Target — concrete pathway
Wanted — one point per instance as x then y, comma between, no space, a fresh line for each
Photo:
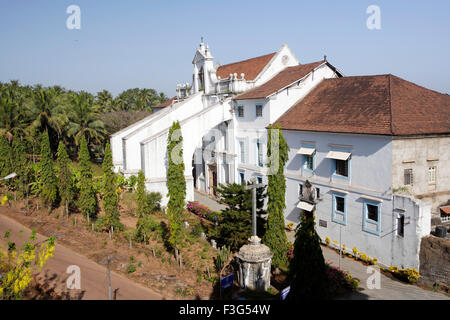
390,289
93,276
208,201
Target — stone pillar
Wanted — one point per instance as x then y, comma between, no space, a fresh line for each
255,260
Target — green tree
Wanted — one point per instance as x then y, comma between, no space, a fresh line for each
65,177
141,195
5,157
176,184
307,271
20,166
104,99
88,198
110,197
47,176
46,115
84,120
275,236
235,222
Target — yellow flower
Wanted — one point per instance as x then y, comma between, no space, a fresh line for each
4,200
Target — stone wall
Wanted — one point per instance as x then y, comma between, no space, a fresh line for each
435,261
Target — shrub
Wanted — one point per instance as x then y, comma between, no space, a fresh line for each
408,275
339,280
290,251
197,230
145,226
202,211
131,268
154,201
222,258
131,182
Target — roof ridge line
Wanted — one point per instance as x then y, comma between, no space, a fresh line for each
390,103
231,63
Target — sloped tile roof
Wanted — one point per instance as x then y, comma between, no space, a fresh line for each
166,103
279,81
382,104
251,67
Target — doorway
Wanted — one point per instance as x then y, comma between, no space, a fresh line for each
212,170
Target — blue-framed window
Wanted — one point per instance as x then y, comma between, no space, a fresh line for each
241,176
372,216
339,212
240,111
341,169
259,155
259,110
309,161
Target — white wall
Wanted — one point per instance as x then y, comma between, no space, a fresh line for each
251,128
178,111
277,65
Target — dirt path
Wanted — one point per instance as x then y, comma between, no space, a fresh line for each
93,276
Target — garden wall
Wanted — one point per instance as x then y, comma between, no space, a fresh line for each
435,261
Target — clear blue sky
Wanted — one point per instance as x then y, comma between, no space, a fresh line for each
143,43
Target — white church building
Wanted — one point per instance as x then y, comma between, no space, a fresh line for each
223,115
348,146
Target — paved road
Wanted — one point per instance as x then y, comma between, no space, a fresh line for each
390,289
207,201
93,276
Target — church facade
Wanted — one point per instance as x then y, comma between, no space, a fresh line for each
346,134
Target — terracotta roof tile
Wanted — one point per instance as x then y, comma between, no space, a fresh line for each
251,67
165,103
279,81
445,209
383,104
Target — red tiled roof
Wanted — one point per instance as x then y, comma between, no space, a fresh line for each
383,104
445,209
279,81
251,67
165,103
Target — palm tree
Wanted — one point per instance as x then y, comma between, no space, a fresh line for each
104,99
11,119
45,114
84,120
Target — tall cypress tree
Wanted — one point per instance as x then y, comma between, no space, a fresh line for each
88,198
47,176
307,271
110,197
176,184
275,236
141,195
66,188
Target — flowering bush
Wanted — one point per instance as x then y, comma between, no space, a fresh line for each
19,265
339,280
290,225
408,275
201,210
290,251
